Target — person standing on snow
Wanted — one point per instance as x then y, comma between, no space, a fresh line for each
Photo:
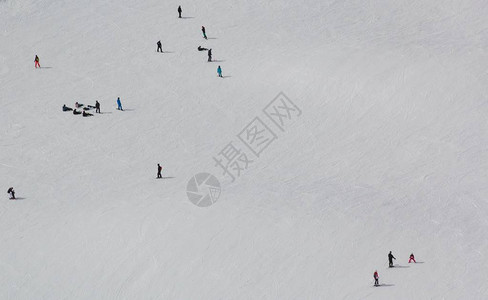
390,259
160,47
209,54
219,71
119,104
376,278
159,171
97,107
36,62
203,31
179,11
12,193
412,257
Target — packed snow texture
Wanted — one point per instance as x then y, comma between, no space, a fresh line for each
390,152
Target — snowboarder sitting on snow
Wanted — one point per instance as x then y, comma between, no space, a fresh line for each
65,108
78,105
376,277
75,112
159,171
390,259
412,257
200,48
85,114
11,192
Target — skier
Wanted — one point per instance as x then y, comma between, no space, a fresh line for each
390,259
65,108
200,48
209,54
159,171
179,11
412,257
12,193
36,62
97,107
75,112
219,71
376,277
204,34
160,47
119,104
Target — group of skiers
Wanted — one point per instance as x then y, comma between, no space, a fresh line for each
83,109
200,48
89,107
390,265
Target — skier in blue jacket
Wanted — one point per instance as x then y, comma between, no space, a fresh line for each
219,71
119,104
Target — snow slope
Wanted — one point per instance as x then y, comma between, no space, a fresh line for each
390,151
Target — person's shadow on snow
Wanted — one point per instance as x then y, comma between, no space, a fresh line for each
399,266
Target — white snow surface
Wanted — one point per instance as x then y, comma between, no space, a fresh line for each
390,152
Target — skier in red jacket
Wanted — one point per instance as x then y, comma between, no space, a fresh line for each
376,277
36,62
412,257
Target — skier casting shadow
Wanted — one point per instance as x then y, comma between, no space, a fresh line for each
159,171
12,193
390,259
160,47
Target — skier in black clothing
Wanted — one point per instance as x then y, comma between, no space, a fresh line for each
160,47
75,112
179,11
209,54
97,107
12,193
159,171
390,259
85,114
200,48
203,31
